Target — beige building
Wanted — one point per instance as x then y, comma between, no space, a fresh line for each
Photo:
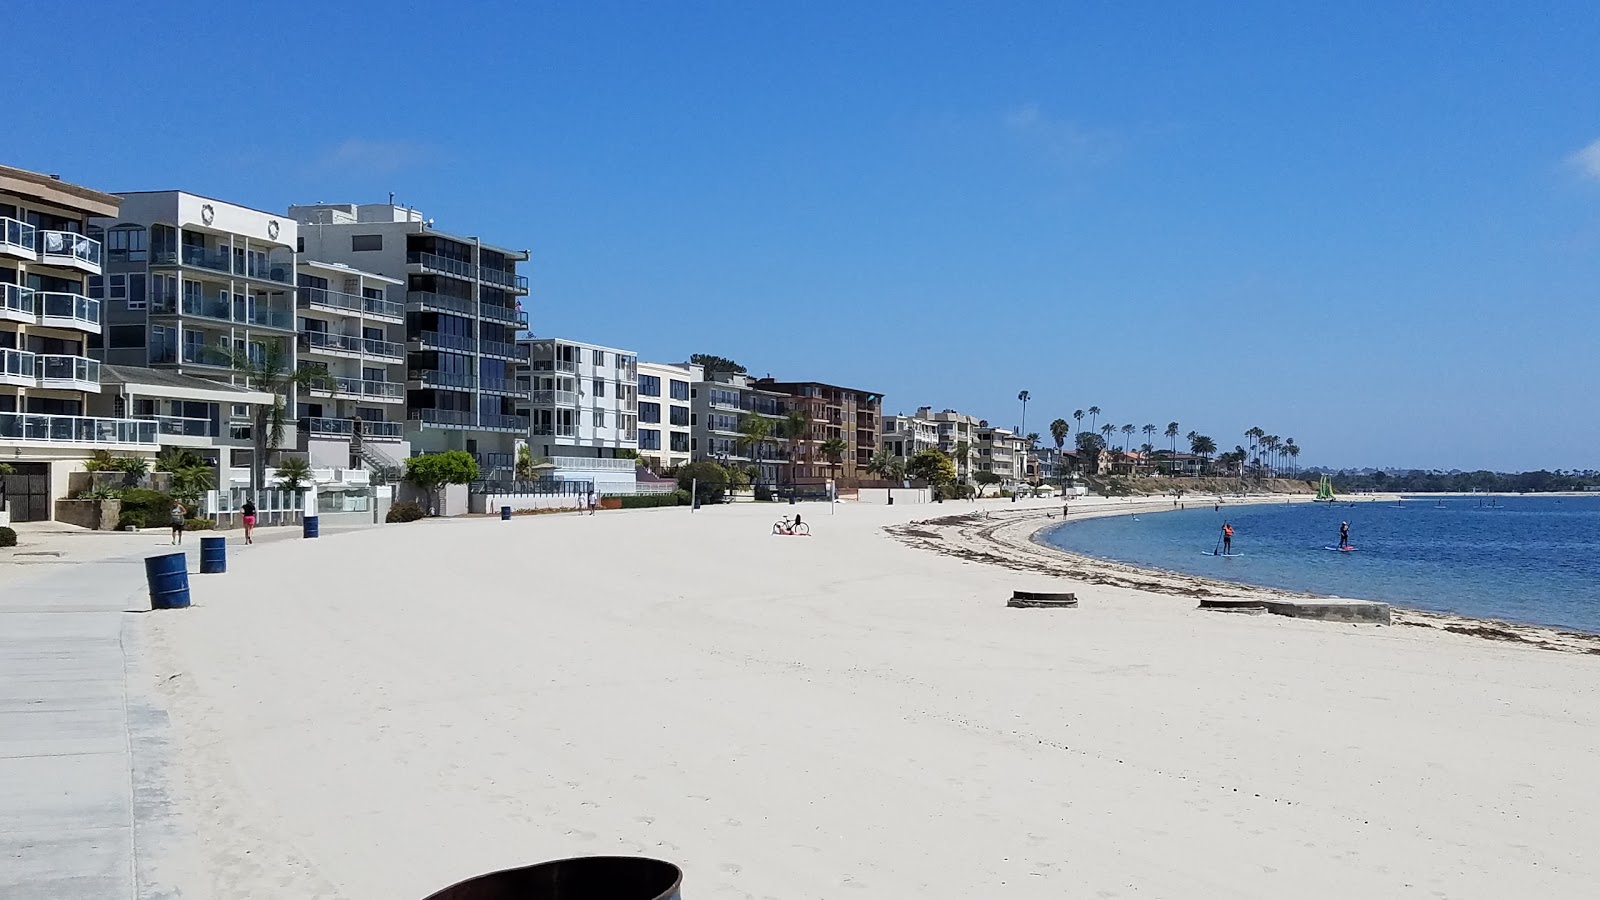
905,436
1003,453
48,325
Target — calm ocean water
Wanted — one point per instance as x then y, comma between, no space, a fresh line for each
1532,559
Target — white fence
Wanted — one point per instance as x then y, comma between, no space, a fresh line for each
272,507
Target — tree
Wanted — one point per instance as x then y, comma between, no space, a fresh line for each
1127,433
1023,396
962,455
191,481
528,465
432,471
796,427
292,473
753,433
712,363
1090,446
1077,414
1033,440
1172,435
1200,445
1149,436
708,480
1058,432
933,467
984,479
1106,431
269,372
171,459
1293,449
833,450
1094,412
881,464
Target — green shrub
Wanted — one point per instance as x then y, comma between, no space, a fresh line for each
147,505
198,524
8,537
712,480
763,492
405,511
650,501
130,520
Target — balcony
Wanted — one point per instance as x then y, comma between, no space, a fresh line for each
555,431
460,381
493,422
505,315
258,316
329,343
433,340
200,355
554,398
376,349
18,368
502,386
178,426
429,301
557,365
30,428
70,250
17,239
75,311
68,373
594,464
356,388
430,262
502,350
443,418
345,428
227,263
17,304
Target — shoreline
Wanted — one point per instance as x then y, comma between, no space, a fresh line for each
1013,540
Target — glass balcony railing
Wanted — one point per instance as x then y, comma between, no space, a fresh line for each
503,278
346,428
440,302
67,310
495,422
76,430
506,314
17,237
559,365
498,386
357,387
501,349
267,317
555,430
17,303
18,365
447,341
220,259
435,378
205,355
443,264
66,371
309,296
377,306
68,248
310,341
450,417
554,398
384,349
178,426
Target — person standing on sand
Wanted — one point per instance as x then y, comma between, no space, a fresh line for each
1227,539
248,516
177,515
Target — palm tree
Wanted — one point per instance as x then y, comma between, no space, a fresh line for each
1293,449
796,427
1033,440
269,373
1254,435
961,455
1127,434
292,473
1108,430
1094,411
1202,445
1058,433
1023,396
1078,415
833,450
753,433
1149,436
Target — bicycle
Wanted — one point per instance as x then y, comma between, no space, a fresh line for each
785,526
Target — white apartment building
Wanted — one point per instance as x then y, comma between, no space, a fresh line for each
48,324
905,436
352,332
665,413
191,283
582,400
1003,453
463,313
956,430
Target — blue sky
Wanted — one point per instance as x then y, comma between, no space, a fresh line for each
1373,228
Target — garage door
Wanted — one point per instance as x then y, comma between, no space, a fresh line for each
28,492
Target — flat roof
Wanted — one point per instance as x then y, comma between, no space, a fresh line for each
204,197
41,187
348,270
160,383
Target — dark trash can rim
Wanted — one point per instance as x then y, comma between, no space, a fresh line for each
661,878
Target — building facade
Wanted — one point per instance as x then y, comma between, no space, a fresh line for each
462,318
582,401
905,436
719,404
665,413
351,331
1003,453
49,325
848,414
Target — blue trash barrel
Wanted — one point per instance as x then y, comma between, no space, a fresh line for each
310,527
213,555
168,577
505,513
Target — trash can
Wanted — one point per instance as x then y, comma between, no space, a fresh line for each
505,513
168,578
584,878
309,528
213,555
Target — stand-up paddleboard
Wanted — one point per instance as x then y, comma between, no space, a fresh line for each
1341,549
1227,555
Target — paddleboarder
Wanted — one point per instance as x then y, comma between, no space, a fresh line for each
1227,539
1344,535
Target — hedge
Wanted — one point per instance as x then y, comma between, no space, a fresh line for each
405,511
678,497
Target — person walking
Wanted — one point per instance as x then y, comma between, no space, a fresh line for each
1227,539
176,515
248,516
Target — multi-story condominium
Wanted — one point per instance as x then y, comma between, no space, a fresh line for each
1003,453
665,412
957,431
192,285
352,332
48,325
719,403
836,412
463,315
582,399
905,436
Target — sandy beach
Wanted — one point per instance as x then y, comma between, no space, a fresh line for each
380,713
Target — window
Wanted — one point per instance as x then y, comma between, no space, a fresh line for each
125,337
362,242
599,418
680,389
649,439
649,386
136,297
599,387
679,415
680,442
299,245
97,286
119,287
599,357
650,412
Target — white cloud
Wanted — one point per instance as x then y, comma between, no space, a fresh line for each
375,157
1061,139
1587,161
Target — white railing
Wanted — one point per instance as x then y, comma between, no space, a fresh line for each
594,464
18,367
68,372
77,430
17,236
17,304
62,310
179,426
555,430
69,248
565,398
